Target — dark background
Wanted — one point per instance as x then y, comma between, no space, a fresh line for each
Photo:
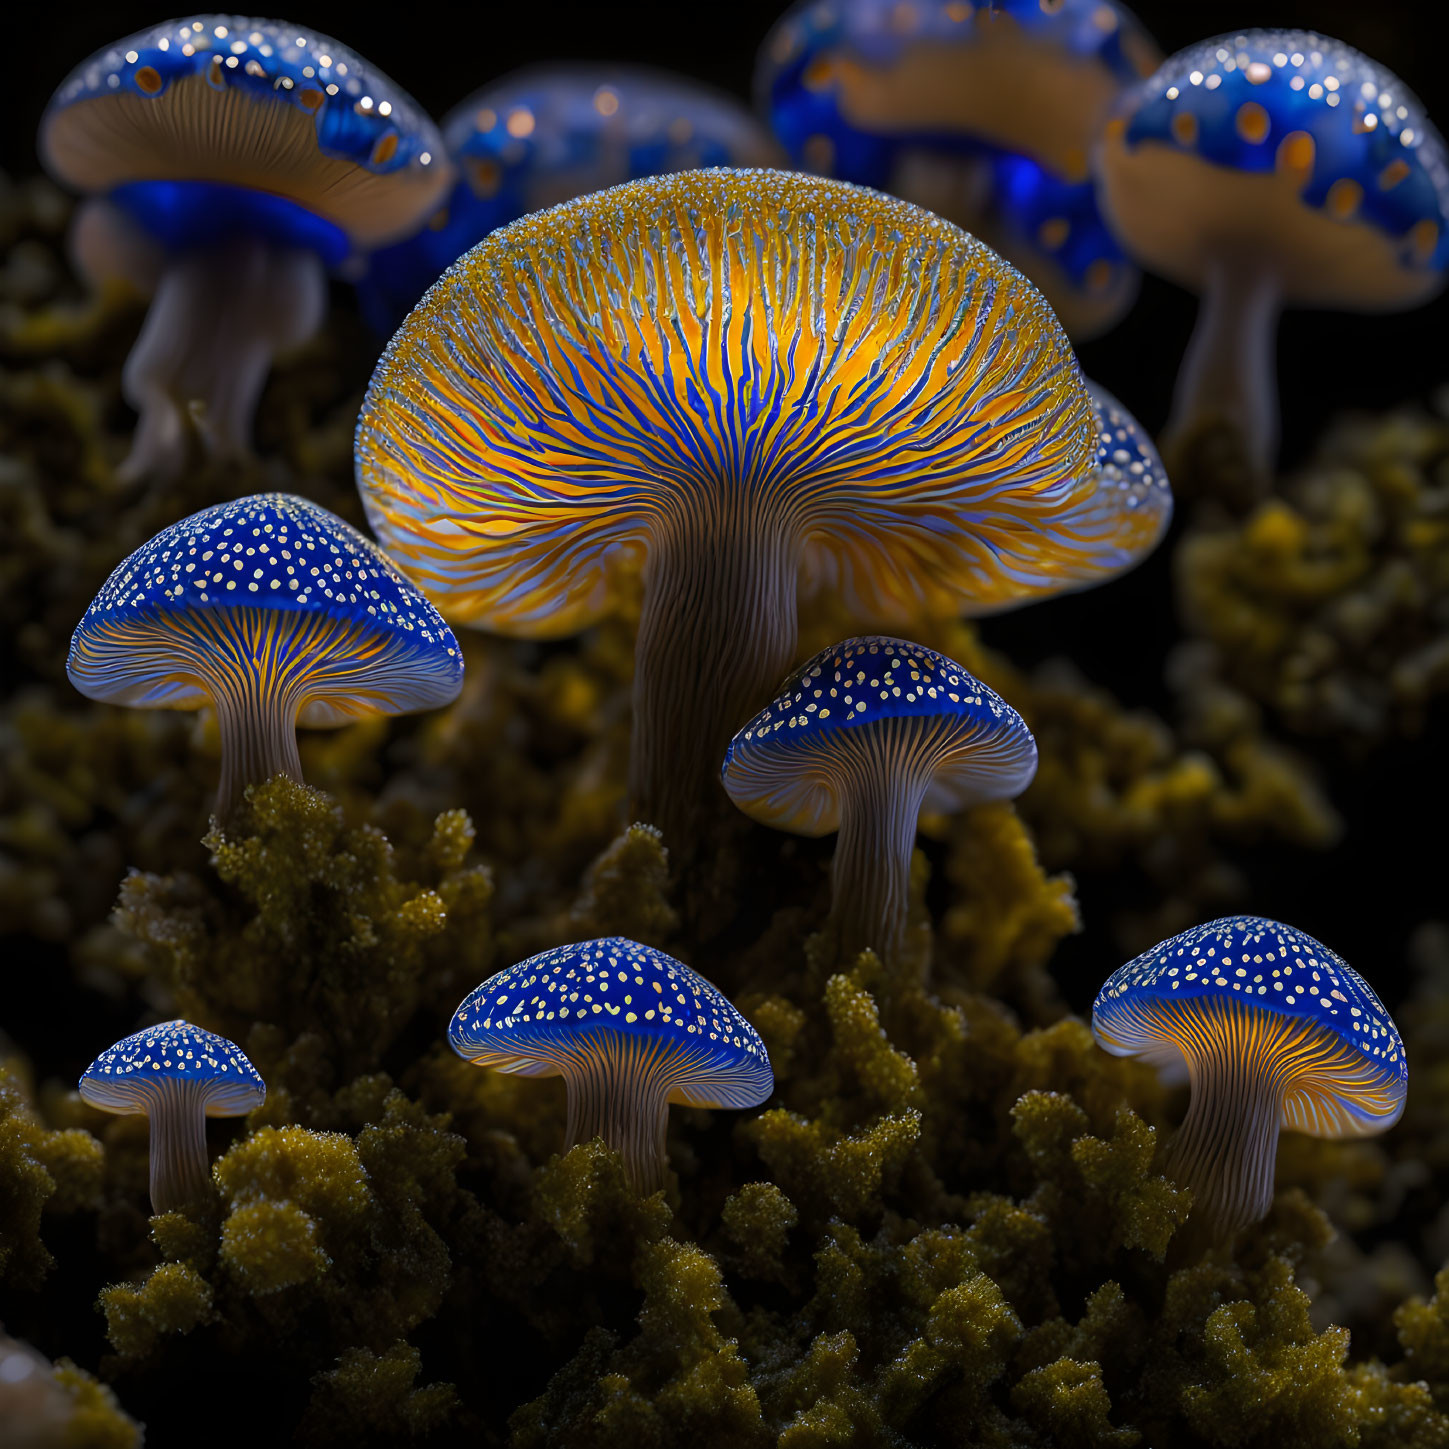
1365,896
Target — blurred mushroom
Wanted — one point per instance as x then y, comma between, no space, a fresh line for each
1264,170
231,162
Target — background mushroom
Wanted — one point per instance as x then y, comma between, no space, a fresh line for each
926,100
546,135
859,740
275,612
252,155
1272,1030
729,377
629,1029
178,1075
1271,169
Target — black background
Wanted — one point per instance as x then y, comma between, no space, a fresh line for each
1366,895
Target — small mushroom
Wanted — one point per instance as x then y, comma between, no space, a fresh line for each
276,613
1264,170
630,1030
860,740
928,100
178,1075
230,163
732,380
1272,1030
546,135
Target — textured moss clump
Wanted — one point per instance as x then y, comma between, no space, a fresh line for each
1329,605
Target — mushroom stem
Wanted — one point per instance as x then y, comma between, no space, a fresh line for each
180,1164
955,187
1226,1148
1229,372
613,1095
218,317
880,804
258,724
717,631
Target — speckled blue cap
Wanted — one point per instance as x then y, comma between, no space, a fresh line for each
550,1014
546,135
1342,182
265,106
848,82
282,581
129,1076
1350,1051
786,766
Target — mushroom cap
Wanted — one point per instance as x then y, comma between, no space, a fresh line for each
904,395
1132,500
1346,1073
847,85
258,104
545,1017
273,557
784,768
1291,150
129,1076
550,133
1053,230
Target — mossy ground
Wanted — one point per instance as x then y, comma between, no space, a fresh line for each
945,1228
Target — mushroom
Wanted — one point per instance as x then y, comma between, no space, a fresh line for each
730,378
1133,498
1053,230
1272,1031
926,100
860,740
1272,169
178,1075
276,613
231,162
630,1030
548,134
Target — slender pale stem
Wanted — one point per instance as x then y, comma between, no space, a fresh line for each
1229,373
180,1164
628,1107
258,722
883,776
1227,1147
218,318
716,636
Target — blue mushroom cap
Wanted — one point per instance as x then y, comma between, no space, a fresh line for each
1054,231
130,1076
548,134
845,85
1346,141
204,127
273,583
1345,1058
786,766
557,1012
1132,484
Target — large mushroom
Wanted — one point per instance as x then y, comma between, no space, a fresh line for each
230,163
1264,170
727,378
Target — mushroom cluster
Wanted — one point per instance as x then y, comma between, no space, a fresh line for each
634,367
